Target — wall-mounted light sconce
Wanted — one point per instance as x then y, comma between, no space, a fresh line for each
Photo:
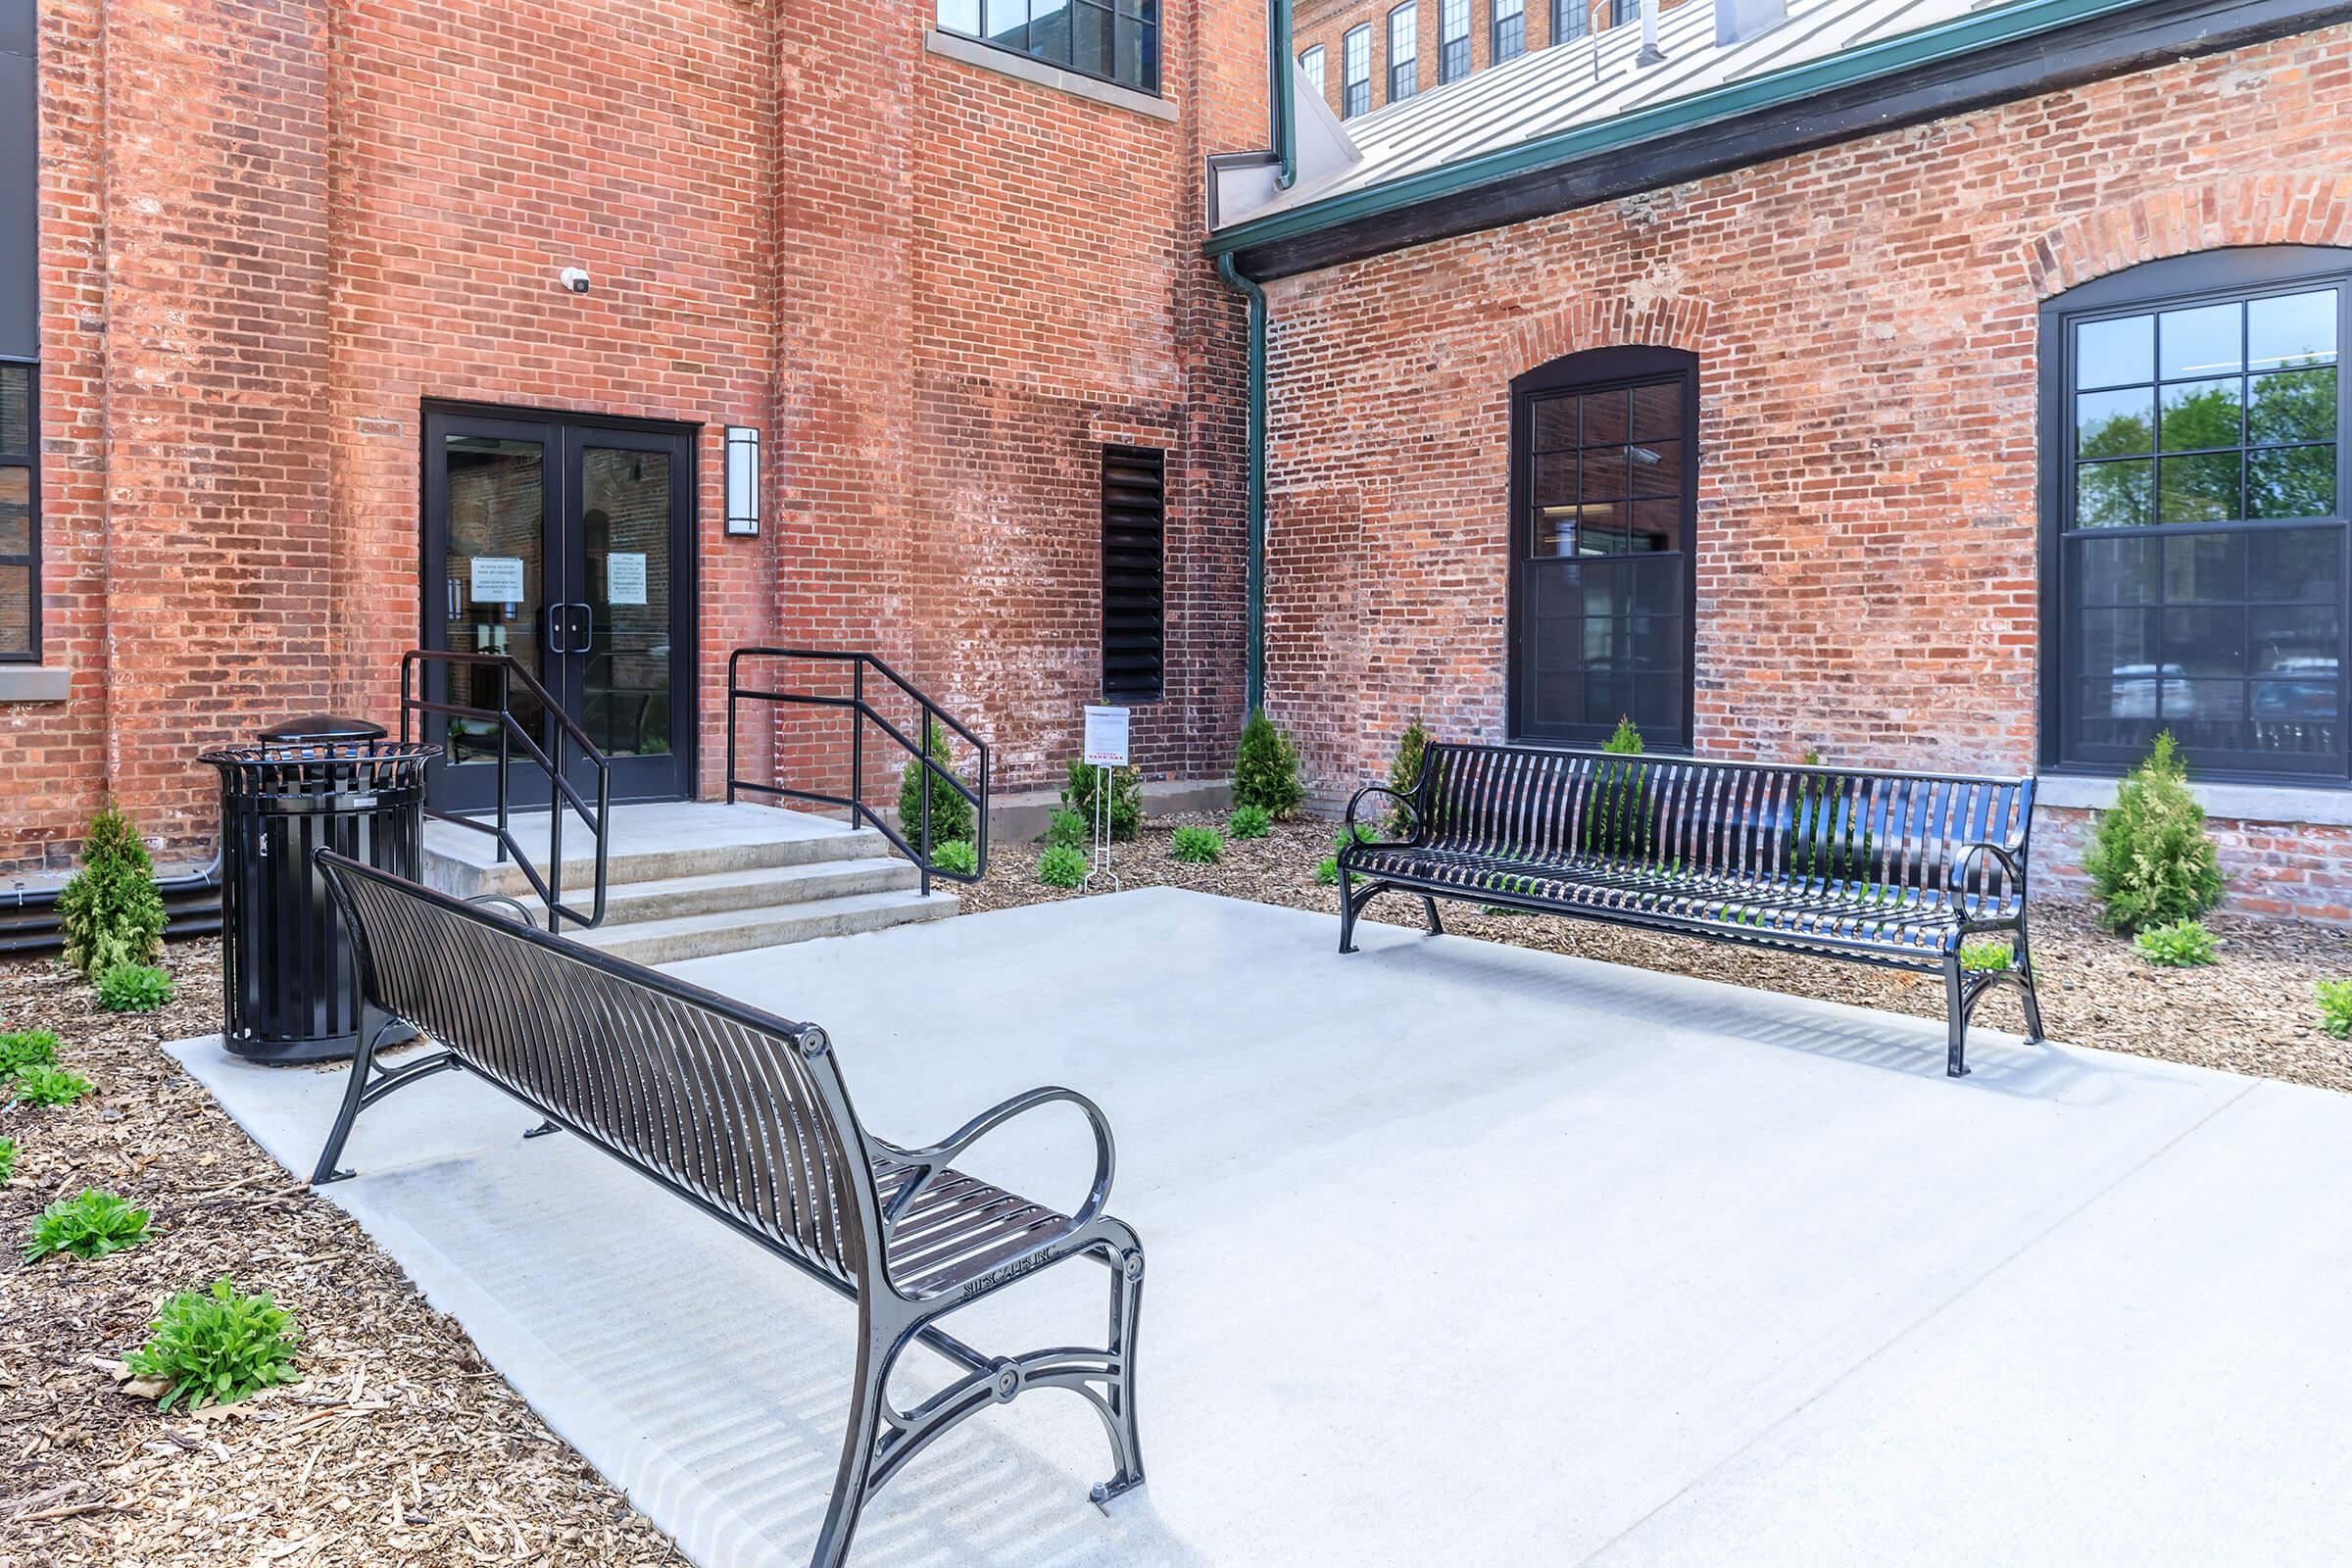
743,481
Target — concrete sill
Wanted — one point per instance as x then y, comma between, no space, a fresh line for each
34,683
2238,803
987,57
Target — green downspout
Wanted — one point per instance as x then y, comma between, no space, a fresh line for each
1257,617
1279,108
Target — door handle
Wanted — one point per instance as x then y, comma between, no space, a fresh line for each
555,622
585,626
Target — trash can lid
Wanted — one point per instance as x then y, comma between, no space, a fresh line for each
321,728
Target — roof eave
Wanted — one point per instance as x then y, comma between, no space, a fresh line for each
2015,51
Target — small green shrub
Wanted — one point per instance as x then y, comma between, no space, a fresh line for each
111,913
133,988
8,1161
217,1348
1989,956
1615,823
1404,772
1126,799
950,813
1061,866
1365,833
1250,822
1265,769
2150,861
1327,870
1067,830
2177,945
2335,1006
1198,846
49,1086
27,1048
956,856
89,1226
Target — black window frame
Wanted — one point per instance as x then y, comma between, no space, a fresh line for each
1410,65
2204,277
1349,82
1058,46
1622,12
1585,372
1496,54
29,460
1570,20
1454,48
1134,573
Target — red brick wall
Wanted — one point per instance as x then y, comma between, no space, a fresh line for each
272,231
1865,319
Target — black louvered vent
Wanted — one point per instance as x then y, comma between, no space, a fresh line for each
1135,491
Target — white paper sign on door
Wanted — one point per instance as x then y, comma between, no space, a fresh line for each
1106,737
496,580
624,578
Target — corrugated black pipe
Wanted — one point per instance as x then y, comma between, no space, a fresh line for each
1256,621
191,906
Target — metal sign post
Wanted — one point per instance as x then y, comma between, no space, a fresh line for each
1105,753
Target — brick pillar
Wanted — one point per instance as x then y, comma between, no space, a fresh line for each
217,552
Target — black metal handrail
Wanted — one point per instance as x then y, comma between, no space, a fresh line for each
861,712
561,728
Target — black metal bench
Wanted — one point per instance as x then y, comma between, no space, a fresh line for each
1898,869
743,1115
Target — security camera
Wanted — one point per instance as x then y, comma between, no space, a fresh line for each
574,278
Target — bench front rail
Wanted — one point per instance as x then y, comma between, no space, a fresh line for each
1877,866
745,1115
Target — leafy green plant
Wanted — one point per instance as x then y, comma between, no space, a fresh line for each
2177,945
1198,846
1989,956
956,856
1126,797
1327,870
1265,769
89,1226
1363,833
2335,1006
1250,822
217,1347
27,1048
1061,866
2150,861
1404,772
950,813
111,913
1830,841
1613,824
133,988
8,1161
49,1086
1067,830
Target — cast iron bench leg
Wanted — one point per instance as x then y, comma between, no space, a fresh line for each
1436,927
1956,1005
2024,980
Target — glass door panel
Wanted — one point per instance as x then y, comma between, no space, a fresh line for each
625,539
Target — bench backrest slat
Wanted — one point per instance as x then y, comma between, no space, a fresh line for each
1899,836
712,1099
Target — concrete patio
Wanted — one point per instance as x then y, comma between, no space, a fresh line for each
1459,1253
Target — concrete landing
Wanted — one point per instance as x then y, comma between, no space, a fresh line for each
1460,1255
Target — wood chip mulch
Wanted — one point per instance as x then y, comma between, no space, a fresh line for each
2250,1012
400,1445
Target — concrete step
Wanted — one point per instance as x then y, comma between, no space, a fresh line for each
649,844
753,887
699,936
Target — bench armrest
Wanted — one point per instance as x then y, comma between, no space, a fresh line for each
1411,802
934,1159
2011,866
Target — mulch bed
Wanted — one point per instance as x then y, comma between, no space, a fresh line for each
398,1446
2250,1012
401,1447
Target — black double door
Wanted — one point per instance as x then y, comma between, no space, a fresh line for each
569,544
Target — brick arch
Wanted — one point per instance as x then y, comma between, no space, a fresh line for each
1612,321
2258,210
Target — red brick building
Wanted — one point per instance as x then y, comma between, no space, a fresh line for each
1914,385
291,379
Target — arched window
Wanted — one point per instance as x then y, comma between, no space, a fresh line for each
1510,32
1604,492
2193,439
1356,71
1311,65
1453,40
1404,51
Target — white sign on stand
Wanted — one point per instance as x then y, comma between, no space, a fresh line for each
1105,751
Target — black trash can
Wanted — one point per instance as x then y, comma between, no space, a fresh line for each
288,991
